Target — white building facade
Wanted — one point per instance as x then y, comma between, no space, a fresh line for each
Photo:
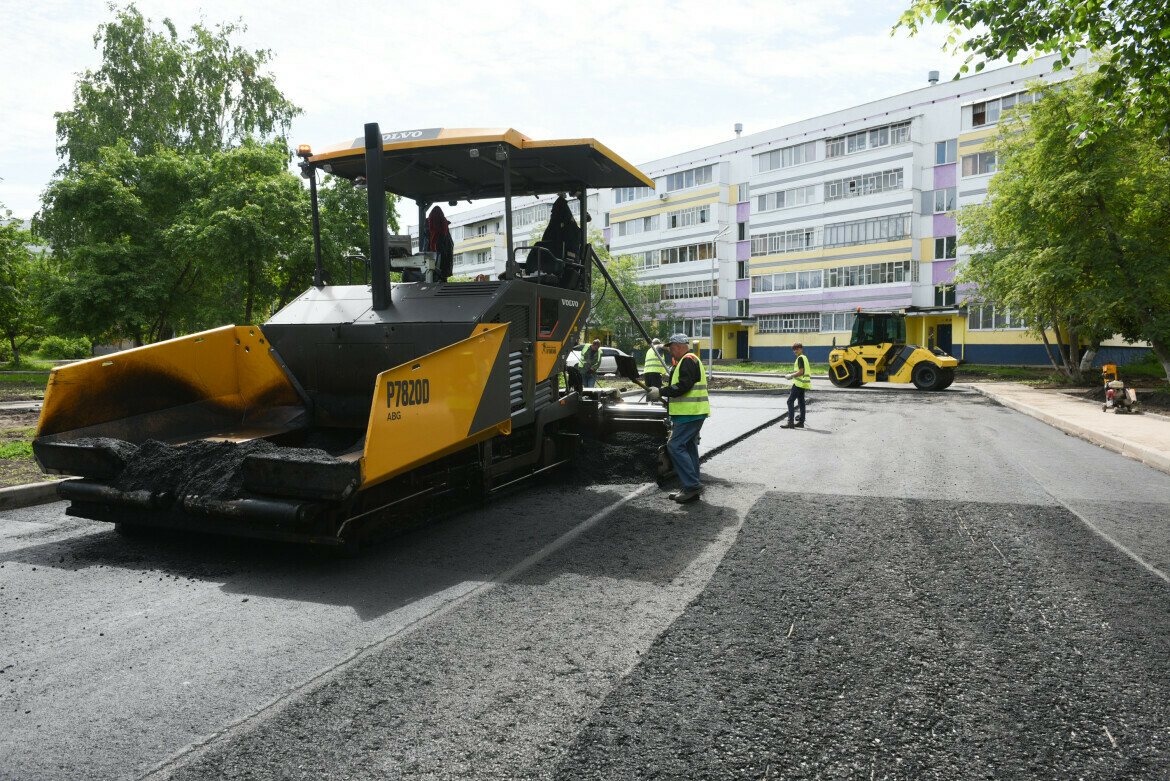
780,236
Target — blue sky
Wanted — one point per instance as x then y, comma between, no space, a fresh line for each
646,79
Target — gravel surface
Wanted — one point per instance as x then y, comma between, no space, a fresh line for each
936,594
925,640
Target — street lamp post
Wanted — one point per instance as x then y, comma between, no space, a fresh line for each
714,267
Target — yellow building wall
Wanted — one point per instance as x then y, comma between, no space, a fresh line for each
702,198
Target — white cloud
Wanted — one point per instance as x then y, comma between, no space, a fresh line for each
647,79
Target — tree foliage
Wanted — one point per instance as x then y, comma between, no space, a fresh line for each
1133,37
345,227
26,277
607,313
156,91
170,212
1076,236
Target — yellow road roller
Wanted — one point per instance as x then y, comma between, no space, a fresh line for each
877,352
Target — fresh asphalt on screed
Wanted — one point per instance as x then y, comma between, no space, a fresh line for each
908,588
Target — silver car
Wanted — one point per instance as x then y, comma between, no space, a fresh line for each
608,358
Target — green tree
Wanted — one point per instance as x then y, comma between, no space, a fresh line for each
345,226
606,312
1132,35
1076,236
155,91
105,221
246,234
26,277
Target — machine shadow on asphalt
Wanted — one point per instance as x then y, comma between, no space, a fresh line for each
655,537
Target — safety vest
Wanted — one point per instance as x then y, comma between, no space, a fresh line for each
694,401
804,380
654,364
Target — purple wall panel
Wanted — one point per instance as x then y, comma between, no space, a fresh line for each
941,272
743,212
743,250
743,288
944,176
944,225
606,232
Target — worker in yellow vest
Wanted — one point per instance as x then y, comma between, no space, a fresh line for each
689,407
801,377
654,368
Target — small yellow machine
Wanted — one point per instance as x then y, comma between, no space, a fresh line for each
1118,398
877,352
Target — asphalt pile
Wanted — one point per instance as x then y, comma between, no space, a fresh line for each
619,459
212,470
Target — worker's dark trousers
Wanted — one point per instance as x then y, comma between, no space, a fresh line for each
654,380
794,396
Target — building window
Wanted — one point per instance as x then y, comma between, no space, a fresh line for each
684,218
988,112
696,288
786,199
944,248
741,269
742,308
742,231
887,135
832,322
481,230
691,178
988,317
865,184
789,280
797,240
887,273
945,151
785,158
531,214
685,254
894,227
979,163
944,295
793,323
637,225
645,260
945,200
627,194
743,192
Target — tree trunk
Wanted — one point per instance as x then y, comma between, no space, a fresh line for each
1089,356
1048,348
1162,351
15,352
1074,364
1061,350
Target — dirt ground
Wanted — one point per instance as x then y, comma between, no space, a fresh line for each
18,427
22,391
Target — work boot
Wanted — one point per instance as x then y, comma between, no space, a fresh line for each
799,424
686,495
788,425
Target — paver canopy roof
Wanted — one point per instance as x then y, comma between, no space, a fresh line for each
436,164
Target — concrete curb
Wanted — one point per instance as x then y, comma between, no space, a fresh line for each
1145,455
29,494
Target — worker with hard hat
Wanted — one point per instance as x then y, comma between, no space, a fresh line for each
654,368
688,407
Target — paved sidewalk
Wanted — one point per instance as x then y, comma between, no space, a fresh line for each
1144,438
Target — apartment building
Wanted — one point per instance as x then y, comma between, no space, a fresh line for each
780,236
